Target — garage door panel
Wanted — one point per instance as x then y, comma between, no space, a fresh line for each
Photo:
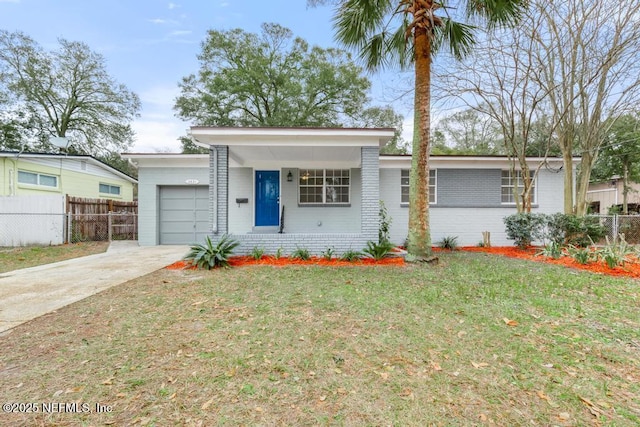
202,227
202,216
177,227
177,192
183,205
177,215
184,214
202,204
180,239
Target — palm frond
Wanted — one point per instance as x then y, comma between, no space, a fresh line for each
364,26
356,20
497,13
455,37
402,45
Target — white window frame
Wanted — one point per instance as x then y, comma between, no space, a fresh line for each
302,176
111,187
39,180
433,189
513,185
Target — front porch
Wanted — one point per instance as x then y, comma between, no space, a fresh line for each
284,189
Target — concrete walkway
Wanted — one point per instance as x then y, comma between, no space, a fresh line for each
31,292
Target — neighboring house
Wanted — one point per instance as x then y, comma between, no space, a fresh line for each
604,195
23,174
319,188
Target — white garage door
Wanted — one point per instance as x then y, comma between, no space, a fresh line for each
184,215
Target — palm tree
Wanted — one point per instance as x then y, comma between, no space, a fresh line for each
411,32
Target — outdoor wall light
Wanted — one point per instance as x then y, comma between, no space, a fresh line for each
289,177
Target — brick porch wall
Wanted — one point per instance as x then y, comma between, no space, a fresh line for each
316,243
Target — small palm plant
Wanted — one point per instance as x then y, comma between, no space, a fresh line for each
351,256
207,255
378,251
301,253
449,242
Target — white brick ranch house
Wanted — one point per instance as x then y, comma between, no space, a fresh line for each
317,188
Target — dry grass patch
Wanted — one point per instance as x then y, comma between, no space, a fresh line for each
476,340
31,256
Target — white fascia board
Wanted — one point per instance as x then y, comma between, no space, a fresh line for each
89,159
299,165
286,137
110,169
464,162
167,160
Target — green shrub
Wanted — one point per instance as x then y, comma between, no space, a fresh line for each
560,229
551,250
524,228
385,224
351,256
616,252
301,253
449,242
210,256
257,253
278,253
328,253
573,230
581,255
378,251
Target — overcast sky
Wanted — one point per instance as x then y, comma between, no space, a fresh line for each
149,45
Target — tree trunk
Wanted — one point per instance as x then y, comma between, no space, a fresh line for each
419,239
625,187
583,184
567,161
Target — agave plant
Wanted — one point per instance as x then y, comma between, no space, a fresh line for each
449,243
208,255
301,253
378,251
351,256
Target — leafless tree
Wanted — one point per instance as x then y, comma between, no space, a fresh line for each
588,55
572,63
499,82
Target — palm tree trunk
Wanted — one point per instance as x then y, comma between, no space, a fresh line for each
419,239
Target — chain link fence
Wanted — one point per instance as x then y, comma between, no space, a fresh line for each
23,229
627,225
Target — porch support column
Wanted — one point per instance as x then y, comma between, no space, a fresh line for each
369,223
219,189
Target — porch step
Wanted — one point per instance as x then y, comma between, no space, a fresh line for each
265,230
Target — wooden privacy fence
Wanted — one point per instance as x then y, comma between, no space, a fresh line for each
101,219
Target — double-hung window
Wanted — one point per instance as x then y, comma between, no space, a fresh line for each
404,186
33,178
513,185
109,189
324,186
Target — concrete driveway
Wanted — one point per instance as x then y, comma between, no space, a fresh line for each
31,292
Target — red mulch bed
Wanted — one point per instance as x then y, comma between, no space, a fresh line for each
629,269
241,261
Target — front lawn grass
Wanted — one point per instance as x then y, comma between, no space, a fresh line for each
475,340
31,256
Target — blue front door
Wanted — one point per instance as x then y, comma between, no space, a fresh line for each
267,198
